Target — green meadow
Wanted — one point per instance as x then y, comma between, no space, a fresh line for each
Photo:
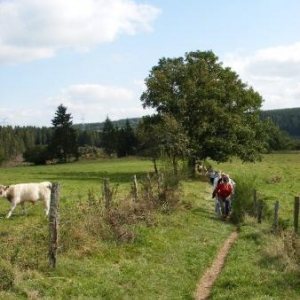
170,249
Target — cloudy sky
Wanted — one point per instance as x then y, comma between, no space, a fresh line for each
92,56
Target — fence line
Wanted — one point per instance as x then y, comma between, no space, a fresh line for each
258,210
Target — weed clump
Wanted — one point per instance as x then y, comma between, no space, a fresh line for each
247,201
108,219
242,203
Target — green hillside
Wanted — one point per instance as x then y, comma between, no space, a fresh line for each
99,126
288,120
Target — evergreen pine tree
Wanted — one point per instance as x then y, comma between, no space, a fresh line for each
63,144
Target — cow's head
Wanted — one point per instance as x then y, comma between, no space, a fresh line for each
3,190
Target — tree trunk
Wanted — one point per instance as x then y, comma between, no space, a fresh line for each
155,166
175,166
191,167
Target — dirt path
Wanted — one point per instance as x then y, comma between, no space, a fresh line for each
211,274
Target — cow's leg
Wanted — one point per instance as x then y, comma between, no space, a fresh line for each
23,209
12,207
47,206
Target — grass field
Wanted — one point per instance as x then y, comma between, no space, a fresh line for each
170,251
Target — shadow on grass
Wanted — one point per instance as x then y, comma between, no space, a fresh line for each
209,214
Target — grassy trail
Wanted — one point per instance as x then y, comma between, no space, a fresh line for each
170,252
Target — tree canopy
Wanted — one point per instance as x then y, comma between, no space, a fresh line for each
219,113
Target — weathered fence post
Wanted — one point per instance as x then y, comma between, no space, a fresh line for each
255,202
53,223
160,181
107,192
296,214
149,188
275,223
259,210
135,188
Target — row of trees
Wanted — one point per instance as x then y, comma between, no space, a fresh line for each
63,141
203,110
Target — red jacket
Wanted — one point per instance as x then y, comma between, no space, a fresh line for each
223,190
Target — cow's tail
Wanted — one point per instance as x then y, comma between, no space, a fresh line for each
47,184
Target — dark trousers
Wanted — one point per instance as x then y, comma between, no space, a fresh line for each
225,205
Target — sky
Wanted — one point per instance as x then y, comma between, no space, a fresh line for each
93,56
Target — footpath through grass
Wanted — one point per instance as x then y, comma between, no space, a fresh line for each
258,267
169,254
165,260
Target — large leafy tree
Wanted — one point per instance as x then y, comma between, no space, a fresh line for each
148,139
163,135
219,113
63,145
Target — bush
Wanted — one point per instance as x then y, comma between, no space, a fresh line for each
37,155
242,203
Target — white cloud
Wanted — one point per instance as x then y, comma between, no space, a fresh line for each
94,102
33,29
26,115
91,102
273,72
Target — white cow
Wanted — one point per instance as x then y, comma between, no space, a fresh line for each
30,192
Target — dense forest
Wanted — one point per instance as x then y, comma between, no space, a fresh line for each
34,143
117,137
288,120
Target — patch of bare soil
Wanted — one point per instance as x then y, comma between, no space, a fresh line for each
206,282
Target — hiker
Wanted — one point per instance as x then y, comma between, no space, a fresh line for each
211,174
223,192
217,179
201,169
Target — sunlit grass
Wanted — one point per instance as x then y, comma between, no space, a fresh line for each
170,252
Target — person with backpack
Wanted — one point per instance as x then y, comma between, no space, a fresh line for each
223,192
211,174
217,180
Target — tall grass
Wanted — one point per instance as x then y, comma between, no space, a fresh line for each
242,202
156,247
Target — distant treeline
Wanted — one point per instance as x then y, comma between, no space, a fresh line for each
134,122
287,120
116,136
112,137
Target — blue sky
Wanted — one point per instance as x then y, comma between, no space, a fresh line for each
93,55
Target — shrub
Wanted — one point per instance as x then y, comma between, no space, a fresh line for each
37,155
242,203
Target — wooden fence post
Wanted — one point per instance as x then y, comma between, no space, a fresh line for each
260,209
275,223
160,181
149,188
107,192
296,214
135,188
255,208
53,223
